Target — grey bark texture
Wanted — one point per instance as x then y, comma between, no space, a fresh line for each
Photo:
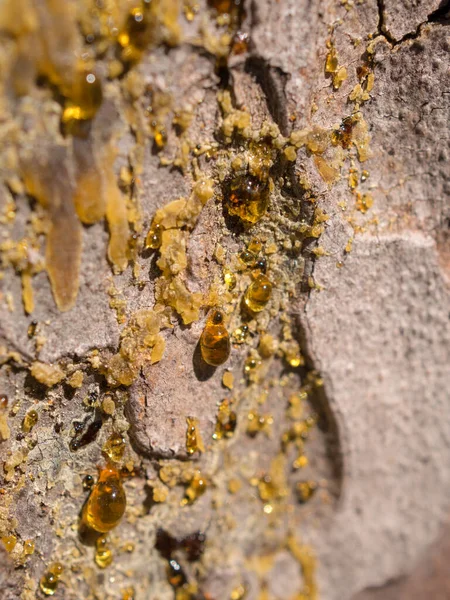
373,321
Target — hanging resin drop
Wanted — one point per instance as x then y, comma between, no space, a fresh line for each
258,294
154,237
215,341
106,503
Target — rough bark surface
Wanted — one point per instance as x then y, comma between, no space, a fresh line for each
367,300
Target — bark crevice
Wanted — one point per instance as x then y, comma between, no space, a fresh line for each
440,15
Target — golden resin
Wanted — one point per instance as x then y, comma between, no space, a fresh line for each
251,364
29,421
307,562
154,237
159,134
49,581
114,447
194,442
292,354
28,547
48,375
228,380
364,202
254,246
137,33
230,280
247,257
248,198
331,61
240,334
128,594
84,98
64,236
258,294
273,485
215,341
306,490
226,421
258,423
106,503
9,542
197,487
103,555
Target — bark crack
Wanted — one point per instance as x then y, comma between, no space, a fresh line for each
441,15
272,81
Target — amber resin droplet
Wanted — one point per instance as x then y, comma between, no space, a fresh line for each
49,581
230,280
251,364
28,547
29,421
215,341
106,503
197,487
258,294
9,542
103,555
254,246
159,134
247,257
331,61
154,237
240,334
137,33
85,97
194,442
114,447
247,198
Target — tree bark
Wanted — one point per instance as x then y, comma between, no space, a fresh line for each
318,465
